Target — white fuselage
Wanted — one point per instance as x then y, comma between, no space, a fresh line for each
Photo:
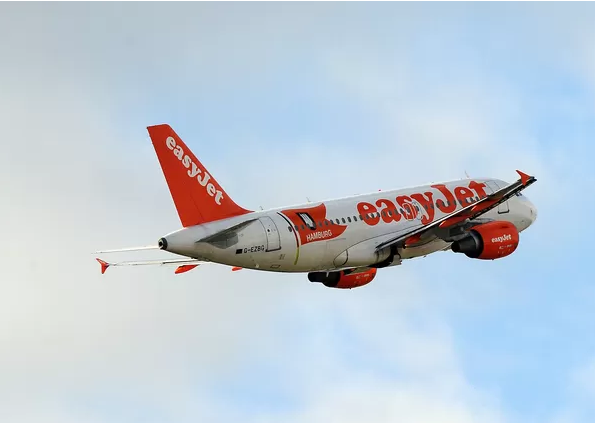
331,235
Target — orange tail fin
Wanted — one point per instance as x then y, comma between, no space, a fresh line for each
197,195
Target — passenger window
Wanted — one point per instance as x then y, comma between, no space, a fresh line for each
303,229
354,219
360,217
338,221
343,219
348,219
290,229
326,222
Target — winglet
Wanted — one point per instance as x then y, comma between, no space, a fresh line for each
104,265
524,177
235,269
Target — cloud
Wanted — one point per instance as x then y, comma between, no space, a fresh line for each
579,384
141,344
583,379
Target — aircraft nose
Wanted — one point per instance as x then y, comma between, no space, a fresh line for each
532,211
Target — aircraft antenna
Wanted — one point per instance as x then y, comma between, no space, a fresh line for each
467,175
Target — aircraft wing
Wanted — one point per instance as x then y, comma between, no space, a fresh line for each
467,213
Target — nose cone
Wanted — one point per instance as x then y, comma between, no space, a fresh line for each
533,213
527,213
530,213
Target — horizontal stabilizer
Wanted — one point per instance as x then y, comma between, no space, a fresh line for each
121,250
184,265
179,262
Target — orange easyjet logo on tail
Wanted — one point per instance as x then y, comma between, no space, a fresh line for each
201,175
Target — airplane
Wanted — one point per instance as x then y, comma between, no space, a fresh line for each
340,243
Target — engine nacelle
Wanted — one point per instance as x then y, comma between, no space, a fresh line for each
344,279
489,241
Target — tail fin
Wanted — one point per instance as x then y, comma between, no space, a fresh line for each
197,195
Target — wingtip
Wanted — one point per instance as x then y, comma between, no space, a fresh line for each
104,265
524,177
235,269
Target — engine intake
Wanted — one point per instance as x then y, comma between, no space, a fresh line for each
489,241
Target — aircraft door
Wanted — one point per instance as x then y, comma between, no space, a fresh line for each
273,241
502,207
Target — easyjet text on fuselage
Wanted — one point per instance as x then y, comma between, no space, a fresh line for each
420,206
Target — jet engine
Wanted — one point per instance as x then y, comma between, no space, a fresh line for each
488,241
344,279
